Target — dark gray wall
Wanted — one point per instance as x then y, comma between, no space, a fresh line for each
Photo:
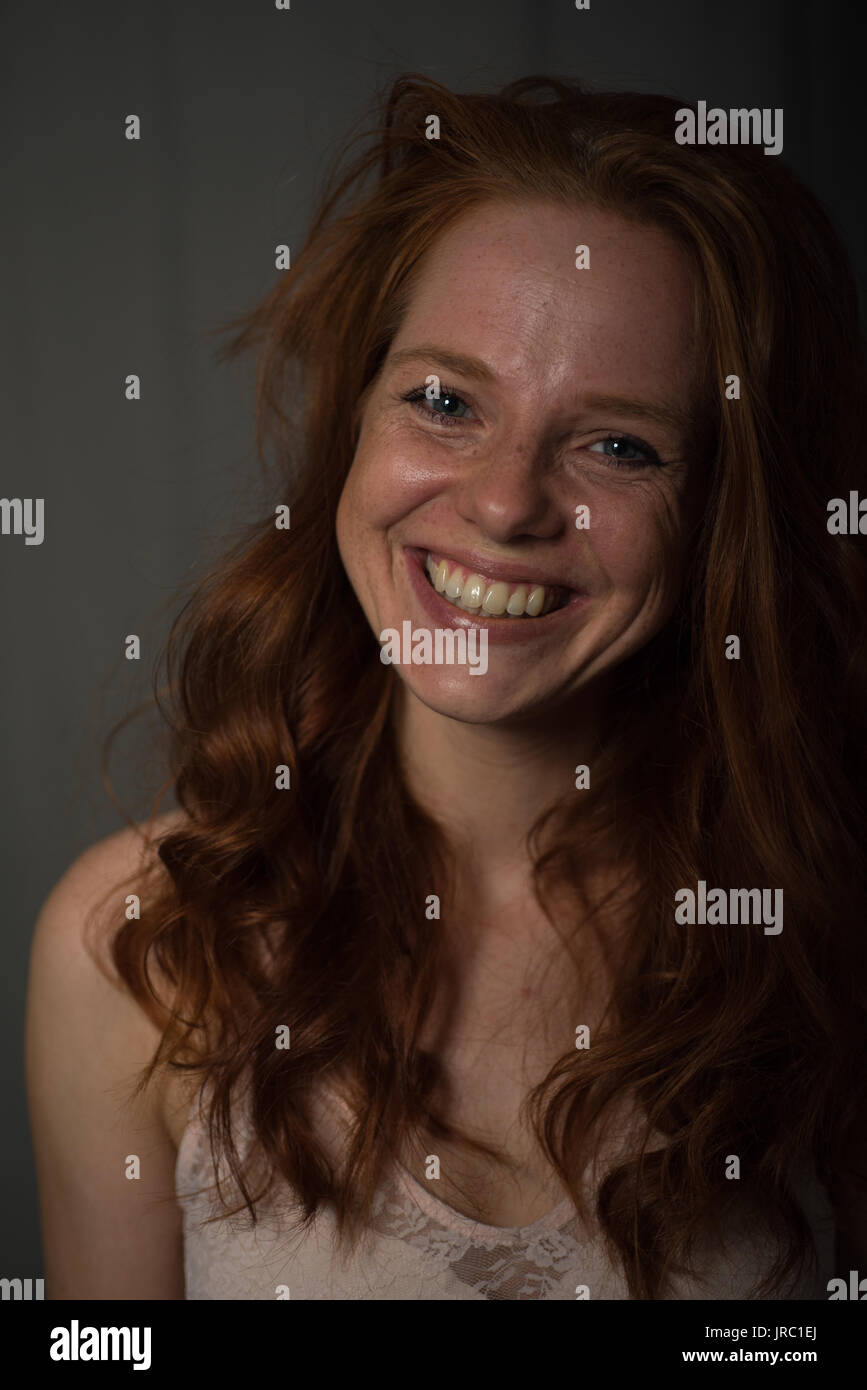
118,257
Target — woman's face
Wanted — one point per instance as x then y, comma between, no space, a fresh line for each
560,389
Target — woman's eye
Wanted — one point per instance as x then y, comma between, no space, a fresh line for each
446,407
621,449
630,453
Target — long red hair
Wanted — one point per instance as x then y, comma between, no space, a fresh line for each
299,907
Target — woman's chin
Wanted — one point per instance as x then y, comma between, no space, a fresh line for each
469,699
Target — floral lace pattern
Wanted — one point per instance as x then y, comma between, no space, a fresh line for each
418,1247
522,1263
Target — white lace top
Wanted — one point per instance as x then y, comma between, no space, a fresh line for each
418,1247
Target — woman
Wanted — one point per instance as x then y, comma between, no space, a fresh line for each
524,965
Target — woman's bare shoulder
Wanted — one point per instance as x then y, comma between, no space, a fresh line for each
124,853
73,933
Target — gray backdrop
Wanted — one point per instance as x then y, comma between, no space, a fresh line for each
119,256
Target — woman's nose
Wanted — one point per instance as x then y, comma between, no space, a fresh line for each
507,493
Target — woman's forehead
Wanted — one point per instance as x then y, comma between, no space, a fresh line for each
511,286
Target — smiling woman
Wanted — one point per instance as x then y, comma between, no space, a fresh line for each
427,1008
492,493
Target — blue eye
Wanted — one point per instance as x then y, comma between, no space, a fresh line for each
444,407
626,452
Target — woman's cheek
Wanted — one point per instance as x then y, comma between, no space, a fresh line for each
389,478
635,535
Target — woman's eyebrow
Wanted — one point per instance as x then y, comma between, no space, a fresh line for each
453,361
660,412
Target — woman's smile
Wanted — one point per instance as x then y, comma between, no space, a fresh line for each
473,586
556,606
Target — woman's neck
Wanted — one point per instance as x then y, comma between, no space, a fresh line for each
486,785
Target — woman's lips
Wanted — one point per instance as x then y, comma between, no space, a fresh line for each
501,630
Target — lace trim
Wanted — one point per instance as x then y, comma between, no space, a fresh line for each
528,1262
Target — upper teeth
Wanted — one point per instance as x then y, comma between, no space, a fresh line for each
493,596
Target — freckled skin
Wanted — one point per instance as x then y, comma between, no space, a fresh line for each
502,285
